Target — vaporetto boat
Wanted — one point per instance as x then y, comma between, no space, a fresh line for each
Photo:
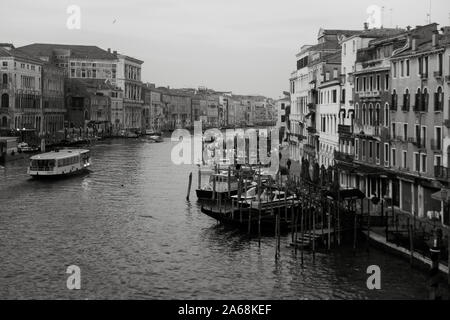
59,163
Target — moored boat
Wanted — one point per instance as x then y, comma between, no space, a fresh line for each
221,185
59,163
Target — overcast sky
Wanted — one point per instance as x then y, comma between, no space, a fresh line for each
245,46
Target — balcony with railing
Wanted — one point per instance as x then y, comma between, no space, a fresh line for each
394,103
369,94
311,130
438,101
436,145
309,149
406,102
418,143
344,157
441,173
421,103
437,74
5,86
345,130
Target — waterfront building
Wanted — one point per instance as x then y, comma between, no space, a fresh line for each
200,108
316,65
417,121
372,116
328,109
20,90
178,108
89,106
129,80
283,110
53,104
350,45
78,61
299,110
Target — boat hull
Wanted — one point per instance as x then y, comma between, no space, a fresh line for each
49,176
208,194
267,221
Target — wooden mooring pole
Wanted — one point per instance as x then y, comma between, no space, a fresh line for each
189,187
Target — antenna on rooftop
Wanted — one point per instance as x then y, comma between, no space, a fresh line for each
429,14
392,23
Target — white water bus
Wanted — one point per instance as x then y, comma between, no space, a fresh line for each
59,163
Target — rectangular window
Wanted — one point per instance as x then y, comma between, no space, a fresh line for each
377,146
356,149
416,162
394,69
438,161
370,150
407,68
334,96
364,150
394,157
378,82
423,141
386,82
404,157
394,132
417,137
424,163
402,69
438,138
386,154
420,65
405,131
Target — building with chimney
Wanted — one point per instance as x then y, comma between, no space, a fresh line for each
417,118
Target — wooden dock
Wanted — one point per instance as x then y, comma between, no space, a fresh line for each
381,240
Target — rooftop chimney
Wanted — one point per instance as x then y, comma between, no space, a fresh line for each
366,26
414,43
435,38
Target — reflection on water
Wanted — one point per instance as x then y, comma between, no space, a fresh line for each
129,228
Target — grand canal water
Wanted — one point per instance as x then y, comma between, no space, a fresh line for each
129,228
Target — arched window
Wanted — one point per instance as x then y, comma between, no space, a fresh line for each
4,121
358,112
377,114
5,100
425,99
364,119
439,100
386,115
370,114
394,100
406,100
418,102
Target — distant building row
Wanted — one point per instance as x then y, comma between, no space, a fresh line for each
50,88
